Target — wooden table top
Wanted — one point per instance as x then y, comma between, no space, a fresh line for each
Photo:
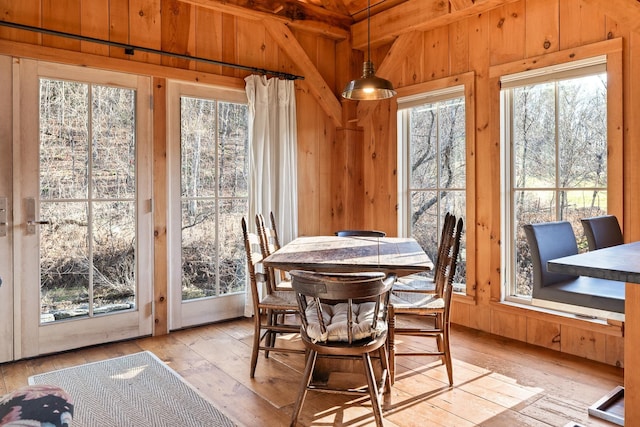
402,256
621,263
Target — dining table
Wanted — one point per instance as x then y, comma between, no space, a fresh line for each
333,254
401,256
621,263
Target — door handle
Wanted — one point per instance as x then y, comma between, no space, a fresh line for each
30,209
3,217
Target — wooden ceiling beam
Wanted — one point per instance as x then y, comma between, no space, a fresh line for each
299,15
418,15
460,4
312,77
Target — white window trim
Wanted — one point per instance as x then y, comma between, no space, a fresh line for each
575,69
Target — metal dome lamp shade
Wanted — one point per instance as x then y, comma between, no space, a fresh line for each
369,87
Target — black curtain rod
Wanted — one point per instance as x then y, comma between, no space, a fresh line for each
130,49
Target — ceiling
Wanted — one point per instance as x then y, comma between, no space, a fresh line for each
333,13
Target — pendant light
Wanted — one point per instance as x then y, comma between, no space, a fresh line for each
369,87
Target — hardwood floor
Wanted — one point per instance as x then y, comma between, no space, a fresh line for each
498,382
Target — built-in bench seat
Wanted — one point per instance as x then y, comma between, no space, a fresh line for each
599,294
578,294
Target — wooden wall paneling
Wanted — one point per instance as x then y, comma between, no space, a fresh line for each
507,33
625,12
177,32
632,136
326,134
436,54
309,184
310,158
208,33
119,26
319,51
326,64
615,135
543,333
25,12
631,70
509,324
61,15
542,27
593,24
459,47
346,182
460,313
145,28
229,45
274,57
583,343
614,351
250,42
380,169
94,22
160,209
569,14
581,24
413,64
487,218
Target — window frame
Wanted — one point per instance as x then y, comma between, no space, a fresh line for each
562,60
185,313
435,91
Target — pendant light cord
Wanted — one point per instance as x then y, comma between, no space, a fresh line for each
369,30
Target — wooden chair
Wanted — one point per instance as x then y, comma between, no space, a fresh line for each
269,243
420,283
602,231
344,315
360,233
274,230
271,311
436,306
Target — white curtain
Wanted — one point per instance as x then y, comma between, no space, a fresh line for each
273,158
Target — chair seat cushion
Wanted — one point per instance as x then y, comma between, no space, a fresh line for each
416,301
414,283
335,320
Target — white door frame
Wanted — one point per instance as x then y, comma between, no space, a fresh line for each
30,337
7,299
205,310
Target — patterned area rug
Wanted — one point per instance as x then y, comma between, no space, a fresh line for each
135,390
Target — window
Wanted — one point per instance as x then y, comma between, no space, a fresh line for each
88,195
432,138
554,156
208,167
214,188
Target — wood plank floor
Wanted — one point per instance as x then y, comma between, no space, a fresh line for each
498,382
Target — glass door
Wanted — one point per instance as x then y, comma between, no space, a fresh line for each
208,164
83,211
